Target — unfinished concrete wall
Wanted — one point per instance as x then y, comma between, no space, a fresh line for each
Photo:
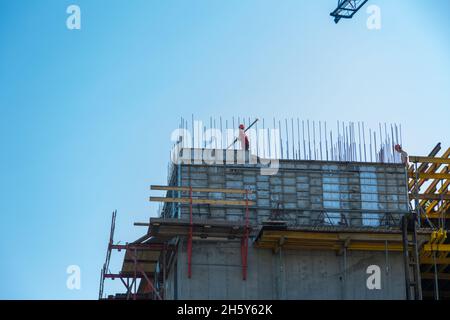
288,274
302,192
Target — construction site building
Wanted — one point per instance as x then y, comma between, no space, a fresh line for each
312,230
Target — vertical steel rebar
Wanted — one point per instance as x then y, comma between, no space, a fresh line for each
320,140
304,142
314,140
326,140
288,139
364,139
298,138
309,141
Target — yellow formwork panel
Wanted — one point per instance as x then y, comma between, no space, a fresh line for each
361,241
438,247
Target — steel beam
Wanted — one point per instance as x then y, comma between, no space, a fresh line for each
346,9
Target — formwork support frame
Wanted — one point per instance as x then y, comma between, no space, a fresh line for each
432,207
246,202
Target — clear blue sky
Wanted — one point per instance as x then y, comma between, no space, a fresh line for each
86,115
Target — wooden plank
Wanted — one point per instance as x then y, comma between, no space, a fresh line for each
429,160
196,222
217,190
375,247
141,261
436,216
430,196
204,201
431,206
422,175
431,169
424,166
129,268
444,210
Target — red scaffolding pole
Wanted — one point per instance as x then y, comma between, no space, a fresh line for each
189,244
191,201
244,241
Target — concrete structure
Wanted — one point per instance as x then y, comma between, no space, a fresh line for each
301,192
299,230
288,274
334,197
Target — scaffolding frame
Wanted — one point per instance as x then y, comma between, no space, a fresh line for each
432,208
139,272
191,200
429,259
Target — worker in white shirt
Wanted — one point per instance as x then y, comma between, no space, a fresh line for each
403,154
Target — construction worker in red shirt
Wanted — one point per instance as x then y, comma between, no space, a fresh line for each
245,144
